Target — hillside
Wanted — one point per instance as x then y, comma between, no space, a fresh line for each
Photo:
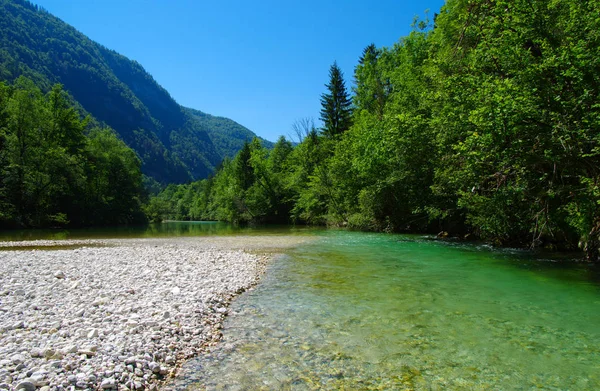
227,135
174,143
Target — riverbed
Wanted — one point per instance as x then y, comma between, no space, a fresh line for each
360,311
118,313
347,310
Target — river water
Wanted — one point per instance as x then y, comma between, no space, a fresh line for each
160,230
358,311
353,311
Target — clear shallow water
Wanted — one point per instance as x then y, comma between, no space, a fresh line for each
165,229
367,311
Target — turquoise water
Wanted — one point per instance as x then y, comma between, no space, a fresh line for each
355,311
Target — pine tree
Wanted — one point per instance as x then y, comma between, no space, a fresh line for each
370,92
243,168
336,111
369,55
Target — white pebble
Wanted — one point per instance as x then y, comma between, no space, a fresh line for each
108,382
121,311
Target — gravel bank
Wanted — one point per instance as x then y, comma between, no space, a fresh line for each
108,314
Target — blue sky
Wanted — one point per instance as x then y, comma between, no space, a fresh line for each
263,64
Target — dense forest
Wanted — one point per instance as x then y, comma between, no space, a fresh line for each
227,135
175,144
483,122
56,169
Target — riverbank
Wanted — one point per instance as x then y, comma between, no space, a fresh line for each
108,314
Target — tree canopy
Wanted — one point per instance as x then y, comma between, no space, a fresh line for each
175,144
55,170
485,124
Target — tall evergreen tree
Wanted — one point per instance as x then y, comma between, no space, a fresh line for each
369,54
336,111
370,92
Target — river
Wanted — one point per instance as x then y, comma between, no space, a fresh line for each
366,311
373,311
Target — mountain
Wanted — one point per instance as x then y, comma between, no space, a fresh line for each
227,135
175,144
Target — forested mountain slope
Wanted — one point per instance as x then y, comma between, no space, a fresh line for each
227,135
173,144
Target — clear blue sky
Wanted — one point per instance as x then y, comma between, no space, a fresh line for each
263,64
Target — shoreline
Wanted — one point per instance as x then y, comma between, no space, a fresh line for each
119,313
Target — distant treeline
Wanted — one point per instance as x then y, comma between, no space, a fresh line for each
55,170
484,122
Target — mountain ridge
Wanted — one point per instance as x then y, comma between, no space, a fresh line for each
227,135
175,143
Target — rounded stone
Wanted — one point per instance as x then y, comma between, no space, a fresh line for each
25,385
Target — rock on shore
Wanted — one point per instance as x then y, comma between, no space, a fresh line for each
120,316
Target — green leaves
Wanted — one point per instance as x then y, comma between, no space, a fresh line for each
336,111
175,144
489,124
52,174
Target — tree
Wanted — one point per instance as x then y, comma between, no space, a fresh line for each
370,93
25,172
336,111
243,169
301,128
52,174
66,128
114,180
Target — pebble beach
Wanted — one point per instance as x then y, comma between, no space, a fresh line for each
118,314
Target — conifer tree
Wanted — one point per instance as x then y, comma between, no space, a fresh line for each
369,55
336,111
370,92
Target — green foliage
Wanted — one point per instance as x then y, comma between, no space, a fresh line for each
517,105
174,143
336,111
487,124
251,188
384,163
371,91
114,188
51,173
227,135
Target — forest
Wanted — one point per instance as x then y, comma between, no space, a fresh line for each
57,169
175,144
482,123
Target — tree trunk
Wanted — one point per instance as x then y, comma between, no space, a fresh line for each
592,245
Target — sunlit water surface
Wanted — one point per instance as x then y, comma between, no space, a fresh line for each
355,311
159,230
